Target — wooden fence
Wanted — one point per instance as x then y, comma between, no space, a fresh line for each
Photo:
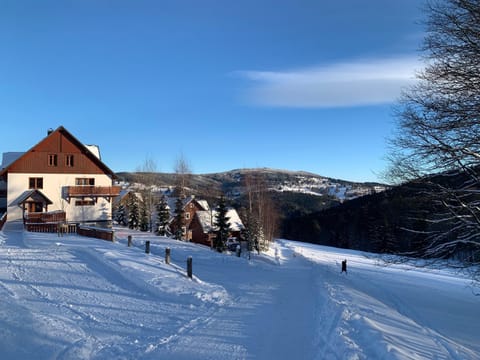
3,219
104,234
53,227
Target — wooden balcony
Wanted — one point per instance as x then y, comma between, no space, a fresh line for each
45,217
48,222
93,192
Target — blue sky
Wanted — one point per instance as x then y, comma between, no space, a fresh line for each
298,85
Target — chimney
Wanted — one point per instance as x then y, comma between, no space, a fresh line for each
49,131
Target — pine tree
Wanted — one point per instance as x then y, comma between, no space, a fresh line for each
144,220
163,216
261,242
222,224
250,230
120,215
133,211
179,219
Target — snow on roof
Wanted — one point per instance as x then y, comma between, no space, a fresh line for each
9,157
204,204
207,220
94,149
171,203
234,220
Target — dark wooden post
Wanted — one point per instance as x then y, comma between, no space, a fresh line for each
167,255
129,240
147,247
189,267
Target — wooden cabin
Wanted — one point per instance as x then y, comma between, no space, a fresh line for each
203,227
190,206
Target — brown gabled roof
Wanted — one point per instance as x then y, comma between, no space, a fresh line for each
35,195
75,141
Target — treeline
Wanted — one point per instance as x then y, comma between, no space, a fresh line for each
393,221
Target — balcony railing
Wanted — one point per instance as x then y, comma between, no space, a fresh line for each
91,191
45,217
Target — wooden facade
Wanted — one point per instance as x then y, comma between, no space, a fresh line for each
200,235
190,207
200,220
59,153
61,174
204,230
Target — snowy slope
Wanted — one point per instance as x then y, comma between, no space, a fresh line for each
78,298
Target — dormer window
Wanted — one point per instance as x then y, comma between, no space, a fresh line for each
52,160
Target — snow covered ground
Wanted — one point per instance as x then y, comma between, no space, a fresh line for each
79,298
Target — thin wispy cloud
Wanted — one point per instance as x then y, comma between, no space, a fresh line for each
346,84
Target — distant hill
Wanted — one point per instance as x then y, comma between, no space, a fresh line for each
296,193
231,183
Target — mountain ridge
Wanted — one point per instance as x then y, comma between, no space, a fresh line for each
231,183
294,193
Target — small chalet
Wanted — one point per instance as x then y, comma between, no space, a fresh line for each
199,219
58,180
204,230
190,206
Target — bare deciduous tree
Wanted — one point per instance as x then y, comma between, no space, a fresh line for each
438,138
146,176
261,216
182,176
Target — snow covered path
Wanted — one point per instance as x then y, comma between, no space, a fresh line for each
80,298
394,312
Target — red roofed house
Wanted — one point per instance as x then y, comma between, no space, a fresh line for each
57,180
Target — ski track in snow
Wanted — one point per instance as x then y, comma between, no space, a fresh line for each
78,298
379,312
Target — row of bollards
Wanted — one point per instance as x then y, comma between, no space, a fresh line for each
167,255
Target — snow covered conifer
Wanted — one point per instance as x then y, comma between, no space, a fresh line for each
163,215
179,219
144,216
120,215
222,224
133,211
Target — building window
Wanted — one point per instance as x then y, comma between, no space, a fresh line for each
69,160
85,181
35,183
84,202
187,215
52,160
